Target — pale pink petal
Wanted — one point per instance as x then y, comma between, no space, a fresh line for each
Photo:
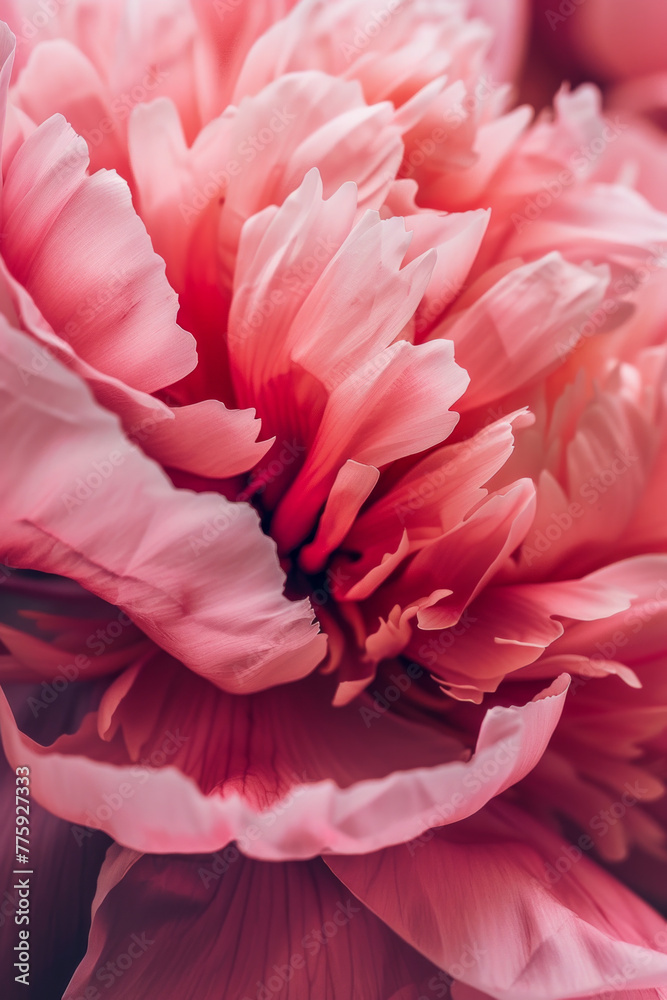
172,201
429,500
351,488
228,32
456,238
307,120
472,553
7,50
204,438
511,627
510,21
59,79
393,51
603,223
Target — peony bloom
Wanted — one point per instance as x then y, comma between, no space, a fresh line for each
332,523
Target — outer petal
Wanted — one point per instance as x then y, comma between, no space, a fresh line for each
285,774
192,570
482,905
288,931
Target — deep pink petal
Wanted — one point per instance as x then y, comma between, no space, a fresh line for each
257,930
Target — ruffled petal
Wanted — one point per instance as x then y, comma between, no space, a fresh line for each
285,774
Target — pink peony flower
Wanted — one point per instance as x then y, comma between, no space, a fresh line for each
335,559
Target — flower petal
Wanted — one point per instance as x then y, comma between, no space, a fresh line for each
192,570
258,930
304,778
78,247
487,905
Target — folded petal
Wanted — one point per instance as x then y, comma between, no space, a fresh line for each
192,570
487,905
